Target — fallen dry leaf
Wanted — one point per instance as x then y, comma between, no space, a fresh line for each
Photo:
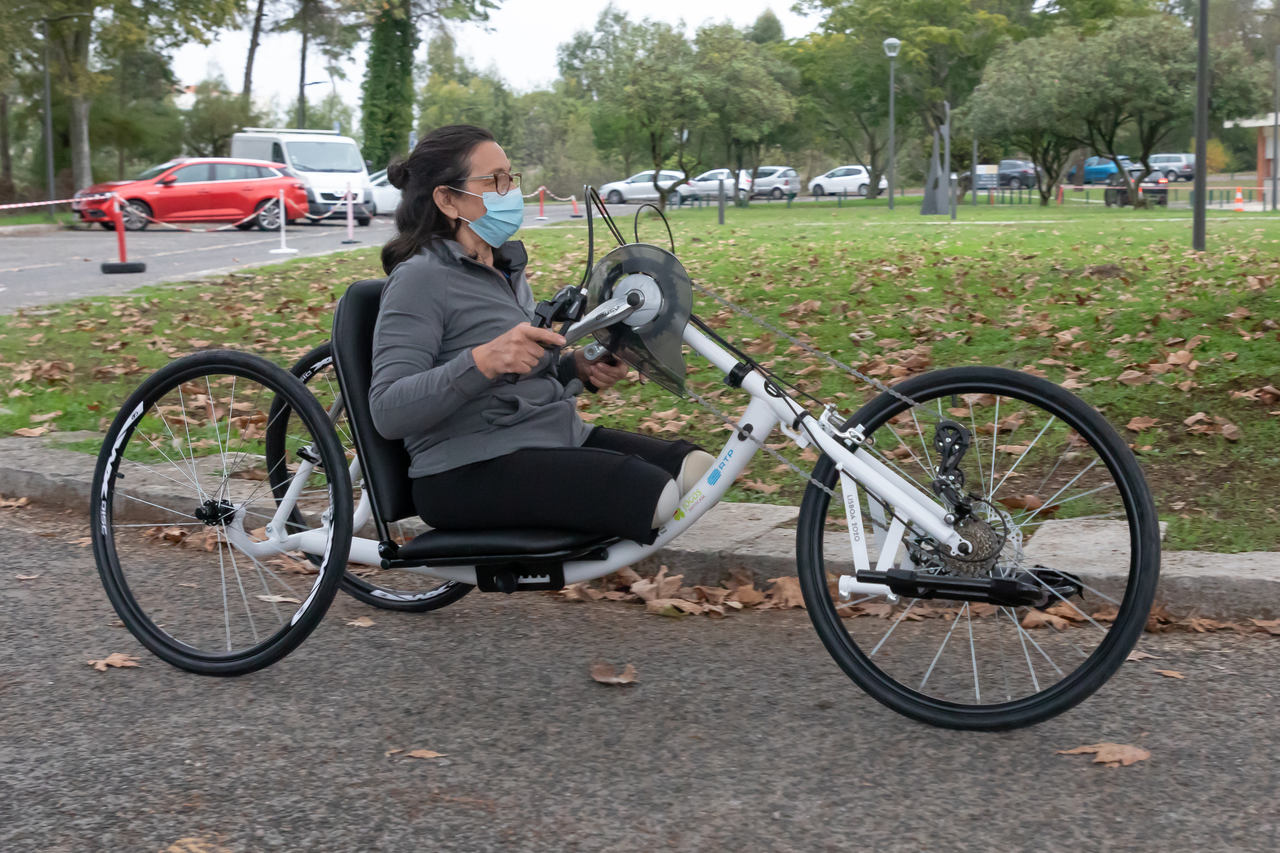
361,622
1271,626
30,432
784,593
1137,656
759,486
424,753
672,606
115,659
26,577
1170,673
1067,611
46,417
746,595
711,594
1041,619
607,673
1133,377
277,599
13,503
1110,754
1022,502
1140,423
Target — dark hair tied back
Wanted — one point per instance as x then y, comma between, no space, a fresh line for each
398,173
441,158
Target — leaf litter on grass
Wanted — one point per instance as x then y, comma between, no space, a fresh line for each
1170,335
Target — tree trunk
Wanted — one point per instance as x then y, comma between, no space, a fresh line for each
72,58
6,158
302,82
254,37
81,153
120,78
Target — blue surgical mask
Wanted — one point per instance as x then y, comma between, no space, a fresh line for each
503,216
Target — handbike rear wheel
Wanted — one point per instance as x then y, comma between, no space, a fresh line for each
388,589
1049,473
180,507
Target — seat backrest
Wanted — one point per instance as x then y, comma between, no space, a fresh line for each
383,463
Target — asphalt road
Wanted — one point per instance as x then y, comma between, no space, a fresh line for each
40,267
740,735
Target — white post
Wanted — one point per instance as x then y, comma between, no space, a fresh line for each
283,250
351,233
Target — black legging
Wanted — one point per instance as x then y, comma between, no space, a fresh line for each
609,485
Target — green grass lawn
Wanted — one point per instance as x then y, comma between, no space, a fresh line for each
36,216
1112,302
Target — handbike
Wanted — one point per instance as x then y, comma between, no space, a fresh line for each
934,546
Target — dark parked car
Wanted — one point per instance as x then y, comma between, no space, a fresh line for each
1018,174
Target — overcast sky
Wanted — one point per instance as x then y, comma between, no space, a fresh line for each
520,42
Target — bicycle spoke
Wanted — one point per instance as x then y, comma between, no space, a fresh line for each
973,654
895,624
1028,449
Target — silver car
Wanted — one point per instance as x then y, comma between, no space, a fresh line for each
776,181
707,185
639,187
1174,166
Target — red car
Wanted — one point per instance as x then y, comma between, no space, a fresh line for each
200,189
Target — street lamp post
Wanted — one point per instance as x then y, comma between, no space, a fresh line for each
48,115
1202,125
891,48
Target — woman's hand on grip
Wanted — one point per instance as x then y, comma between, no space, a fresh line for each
517,350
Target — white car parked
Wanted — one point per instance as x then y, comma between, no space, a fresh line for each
844,179
386,198
639,187
707,185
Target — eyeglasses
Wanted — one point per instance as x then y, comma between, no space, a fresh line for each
500,182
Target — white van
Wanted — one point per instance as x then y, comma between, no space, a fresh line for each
328,162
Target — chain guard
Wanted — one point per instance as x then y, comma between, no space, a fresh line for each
656,349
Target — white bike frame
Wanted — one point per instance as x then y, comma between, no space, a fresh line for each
770,407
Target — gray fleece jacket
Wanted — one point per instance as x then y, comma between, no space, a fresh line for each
426,388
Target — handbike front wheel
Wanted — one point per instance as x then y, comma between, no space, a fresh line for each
1046,475
388,589
181,502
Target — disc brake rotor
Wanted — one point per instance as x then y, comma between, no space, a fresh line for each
656,349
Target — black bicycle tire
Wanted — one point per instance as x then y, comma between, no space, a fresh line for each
1111,652
305,368
135,619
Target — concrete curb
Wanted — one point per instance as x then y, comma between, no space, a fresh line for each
760,540
26,230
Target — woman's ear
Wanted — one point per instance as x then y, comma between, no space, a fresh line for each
444,200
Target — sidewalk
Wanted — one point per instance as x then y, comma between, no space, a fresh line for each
760,539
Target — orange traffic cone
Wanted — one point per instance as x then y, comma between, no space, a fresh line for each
1239,201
